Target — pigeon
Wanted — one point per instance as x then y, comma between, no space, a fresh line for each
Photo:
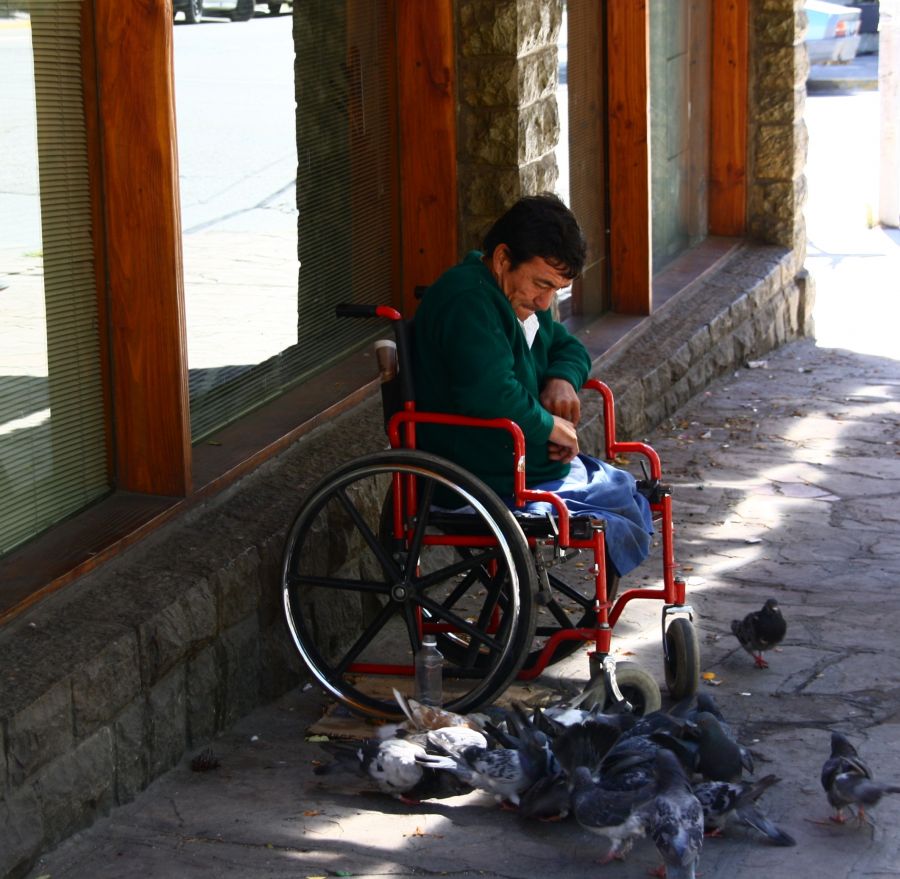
674,818
422,717
504,772
848,781
719,757
761,630
613,814
723,801
391,764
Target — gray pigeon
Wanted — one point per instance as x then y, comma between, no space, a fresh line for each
761,630
613,814
848,781
723,801
391,765
674,818
504,772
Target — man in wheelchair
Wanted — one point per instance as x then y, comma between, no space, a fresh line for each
487,346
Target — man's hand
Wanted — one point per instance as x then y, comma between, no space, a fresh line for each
563,442
559,398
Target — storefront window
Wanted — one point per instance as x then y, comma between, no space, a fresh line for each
53,451
679,125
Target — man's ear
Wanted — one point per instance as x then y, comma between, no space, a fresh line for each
500,258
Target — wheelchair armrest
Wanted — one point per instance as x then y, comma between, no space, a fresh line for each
611,446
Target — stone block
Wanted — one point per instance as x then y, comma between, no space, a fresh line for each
131,749
22,831
538,25
102,686
487,27
237,586
4,784
488,193
489,82
169,635
203,695
40,732
538,129
777,69
490,137
775,149
167,722
776,27
77,787
241,673
539,176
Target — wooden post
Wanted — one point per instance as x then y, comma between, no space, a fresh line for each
142,219
728,117
426,92
630,255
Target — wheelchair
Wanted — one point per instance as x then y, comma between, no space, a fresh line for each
372,564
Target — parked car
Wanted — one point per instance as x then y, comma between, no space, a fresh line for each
832,33
237,10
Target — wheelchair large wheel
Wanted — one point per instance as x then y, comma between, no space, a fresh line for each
358,599
682,658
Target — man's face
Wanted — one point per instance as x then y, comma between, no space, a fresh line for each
530,286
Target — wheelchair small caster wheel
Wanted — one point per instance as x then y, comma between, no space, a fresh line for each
682,658
637,686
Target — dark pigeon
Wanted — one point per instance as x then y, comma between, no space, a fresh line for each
612,814
848,781
761,630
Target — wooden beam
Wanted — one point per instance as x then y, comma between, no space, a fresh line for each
630,256
142,221
728,117
426,92
587,150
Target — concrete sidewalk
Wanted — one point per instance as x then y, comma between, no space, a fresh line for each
786,475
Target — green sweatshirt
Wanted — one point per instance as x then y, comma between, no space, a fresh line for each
471,358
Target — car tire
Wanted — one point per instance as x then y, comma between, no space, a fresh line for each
274,8
244,10
193,12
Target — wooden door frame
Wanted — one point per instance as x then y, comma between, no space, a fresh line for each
628,90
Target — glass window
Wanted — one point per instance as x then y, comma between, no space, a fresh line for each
271,243
53,453
679,125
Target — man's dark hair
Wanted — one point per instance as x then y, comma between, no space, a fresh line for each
540,225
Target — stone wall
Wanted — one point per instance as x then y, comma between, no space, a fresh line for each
508,116
778,140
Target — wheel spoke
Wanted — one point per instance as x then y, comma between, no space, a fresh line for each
366,637
391,570
426,492
570,592
470,563
338,583
476,631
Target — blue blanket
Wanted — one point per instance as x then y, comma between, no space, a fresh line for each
595,489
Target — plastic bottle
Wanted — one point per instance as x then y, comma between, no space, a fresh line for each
429,673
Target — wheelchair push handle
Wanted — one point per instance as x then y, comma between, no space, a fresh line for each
352,309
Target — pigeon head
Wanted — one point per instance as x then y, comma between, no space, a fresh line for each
771,606
840,746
